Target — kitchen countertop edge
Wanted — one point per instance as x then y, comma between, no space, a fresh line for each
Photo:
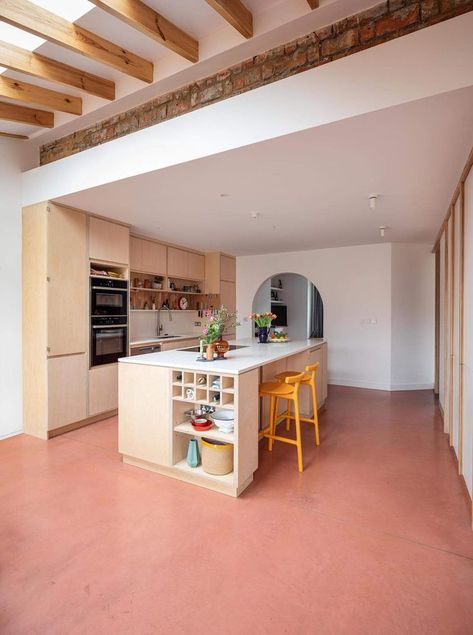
243,359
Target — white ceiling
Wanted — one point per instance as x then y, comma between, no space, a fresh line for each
310,188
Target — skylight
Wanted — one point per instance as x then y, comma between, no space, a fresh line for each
71,11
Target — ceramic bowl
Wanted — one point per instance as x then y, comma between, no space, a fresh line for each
224,420
200,421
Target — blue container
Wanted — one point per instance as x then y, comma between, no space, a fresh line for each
193,454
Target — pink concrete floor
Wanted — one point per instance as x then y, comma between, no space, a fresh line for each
374,537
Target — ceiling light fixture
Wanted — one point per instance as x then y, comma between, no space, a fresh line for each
372,198
255,215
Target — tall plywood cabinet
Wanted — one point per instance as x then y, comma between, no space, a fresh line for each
54,317
220,279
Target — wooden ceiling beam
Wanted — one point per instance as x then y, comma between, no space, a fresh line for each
18,59
236,14
31,94
140,16
34,19
21,114
314,4
10,135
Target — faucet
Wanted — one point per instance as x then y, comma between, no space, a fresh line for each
159,326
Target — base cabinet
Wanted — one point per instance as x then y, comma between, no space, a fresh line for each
103,389
67,390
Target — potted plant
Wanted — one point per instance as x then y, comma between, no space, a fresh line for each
216,324
263,322
157,282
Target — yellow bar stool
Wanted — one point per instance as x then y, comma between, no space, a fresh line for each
308,380
289,390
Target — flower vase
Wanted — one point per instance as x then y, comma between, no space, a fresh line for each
263,332
209,352
193,455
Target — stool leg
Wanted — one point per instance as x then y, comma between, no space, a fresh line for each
288,416
298,435
272,419
316,414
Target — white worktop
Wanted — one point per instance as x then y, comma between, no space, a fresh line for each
235,362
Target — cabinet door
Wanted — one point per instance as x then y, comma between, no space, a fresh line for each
68,278
154,257
228,268
67,390
212,273
196,266
315,356
228,299
103,389
178,260
171,346
228,295
136,254
108,241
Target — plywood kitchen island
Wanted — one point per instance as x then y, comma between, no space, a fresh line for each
156,390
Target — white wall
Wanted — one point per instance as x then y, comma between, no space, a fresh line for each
412,316
358,286
11,159
354,283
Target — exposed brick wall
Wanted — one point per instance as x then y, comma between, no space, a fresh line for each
383,22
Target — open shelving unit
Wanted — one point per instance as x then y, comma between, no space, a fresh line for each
159,440
204,392
144,295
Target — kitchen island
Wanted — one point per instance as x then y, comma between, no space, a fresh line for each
156,391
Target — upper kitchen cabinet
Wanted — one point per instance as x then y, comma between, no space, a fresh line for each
108,242
66,281
218,268
196,266
185,264
227,268
147,256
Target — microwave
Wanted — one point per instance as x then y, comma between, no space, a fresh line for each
108,297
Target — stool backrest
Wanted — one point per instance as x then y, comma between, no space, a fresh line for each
312,368
296,380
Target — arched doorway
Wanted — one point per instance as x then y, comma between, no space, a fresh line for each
296,302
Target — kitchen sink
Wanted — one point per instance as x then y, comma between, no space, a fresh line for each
196,349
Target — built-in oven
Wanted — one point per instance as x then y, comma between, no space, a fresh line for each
108,339
108,320
108,297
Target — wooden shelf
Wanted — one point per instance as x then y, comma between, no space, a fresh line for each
151,290
198,471
213,433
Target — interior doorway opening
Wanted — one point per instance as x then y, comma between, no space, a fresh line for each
295,301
